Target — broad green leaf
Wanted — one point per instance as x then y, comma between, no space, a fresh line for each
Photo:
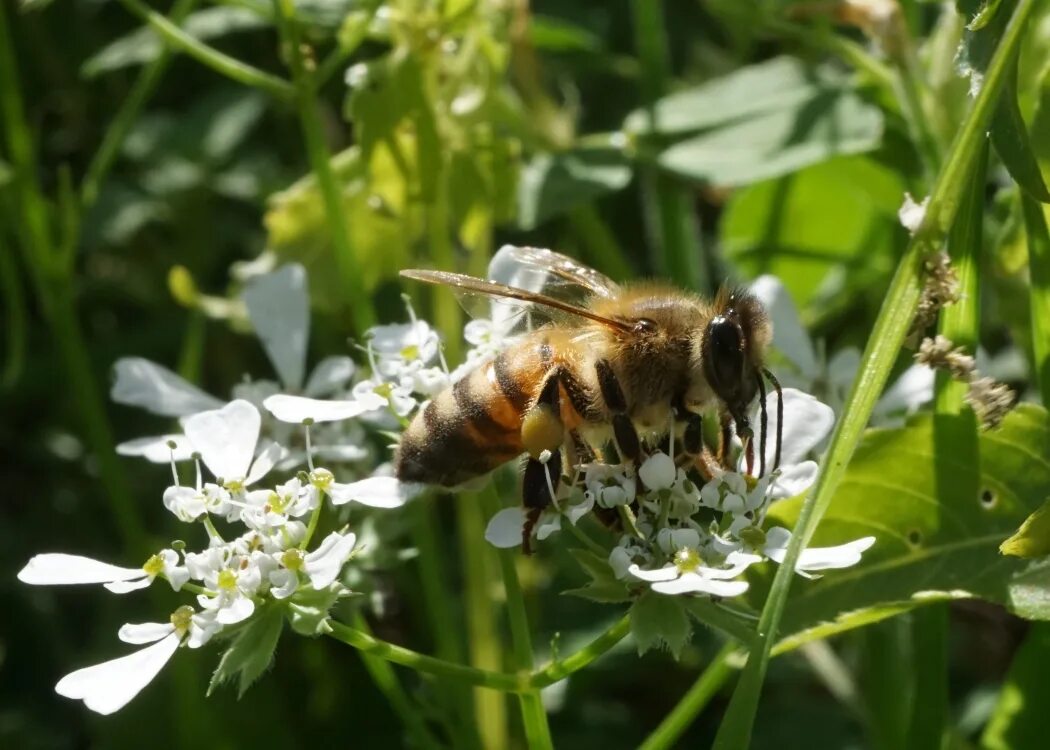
1033,538
660,621
778,142
252,650
551,184
783,83
1019,719
805,226
603,587
143,45
308,609
938,518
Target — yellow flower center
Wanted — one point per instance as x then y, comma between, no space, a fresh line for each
410,352
321,478
182,618
292,559
687,560
227,580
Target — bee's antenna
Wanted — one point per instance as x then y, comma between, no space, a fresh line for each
762,426
780,415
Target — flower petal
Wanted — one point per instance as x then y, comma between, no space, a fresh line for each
236,610
377,492
505,528
146,632
807,422
794,480
279,307
547,525
225,437
126,587
59,569
691,583
330,374
324,563
666,573
910,391
139,382
789,337
658,471
158,449
840,556
264,461
107,687
298,409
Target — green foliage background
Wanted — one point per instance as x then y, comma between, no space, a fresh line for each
701,141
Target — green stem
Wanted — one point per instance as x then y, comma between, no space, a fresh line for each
912,88
503,681
218,61
929,663
383,676
533,714
140,92
15,316
692,703
1039,294
890,328
320,162
667,209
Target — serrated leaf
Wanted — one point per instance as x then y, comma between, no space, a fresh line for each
552,184
604,592
252,650
660,621
1033,538
308,609
776,143
596,566
783,83
939,517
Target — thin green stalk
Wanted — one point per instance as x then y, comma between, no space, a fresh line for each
383,676
482,637
886,688
912,93
667,210
533,714
930,710
1039,293
15,327
218,61
494,680
320,162
891,326
692,703
140,92
438,601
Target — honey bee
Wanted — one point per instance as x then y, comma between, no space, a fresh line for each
624,367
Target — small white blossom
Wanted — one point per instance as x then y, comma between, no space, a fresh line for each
911,214
815,558
401,348
686,575
61,569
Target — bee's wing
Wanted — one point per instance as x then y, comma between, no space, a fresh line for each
475,286
557,275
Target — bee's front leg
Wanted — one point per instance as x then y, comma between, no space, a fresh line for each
542,434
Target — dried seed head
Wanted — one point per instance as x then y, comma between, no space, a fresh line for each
990,399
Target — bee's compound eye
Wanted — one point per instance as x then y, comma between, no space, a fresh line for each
725,352
644,325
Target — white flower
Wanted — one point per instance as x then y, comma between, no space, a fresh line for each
226,440
188,503
377,492
815,558
686,575
658,472
108,687
279,307
504,529
401,348
911,214
61,569
610,485
160,449
398,396
322,565
266,510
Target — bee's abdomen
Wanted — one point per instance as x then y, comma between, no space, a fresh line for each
472,427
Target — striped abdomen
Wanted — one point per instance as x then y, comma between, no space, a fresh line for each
475,425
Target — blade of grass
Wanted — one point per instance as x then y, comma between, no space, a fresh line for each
1039,292
890,328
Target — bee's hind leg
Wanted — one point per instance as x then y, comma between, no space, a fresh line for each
542,434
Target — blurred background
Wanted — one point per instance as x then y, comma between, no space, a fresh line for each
701,141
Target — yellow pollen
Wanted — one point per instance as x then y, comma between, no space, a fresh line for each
321,478
687,560
227,580
292,559
753,536
154,566
234,485
181,618
410,352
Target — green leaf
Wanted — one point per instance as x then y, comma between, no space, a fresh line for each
938,518
143,45
604,587
1038,245
1010,138
659,621
778,142
552,184
308,609
1033,538
252,650
558,35
1019,719
780,84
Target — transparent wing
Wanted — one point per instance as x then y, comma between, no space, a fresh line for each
535,303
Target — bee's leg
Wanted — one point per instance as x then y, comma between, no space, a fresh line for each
694,452
627,441
542,434
725,440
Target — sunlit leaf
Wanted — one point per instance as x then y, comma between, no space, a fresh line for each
251,652
1033,538
551,184
659,621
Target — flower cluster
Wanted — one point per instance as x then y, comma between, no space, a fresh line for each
681,536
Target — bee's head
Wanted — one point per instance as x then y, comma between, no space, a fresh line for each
733,349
